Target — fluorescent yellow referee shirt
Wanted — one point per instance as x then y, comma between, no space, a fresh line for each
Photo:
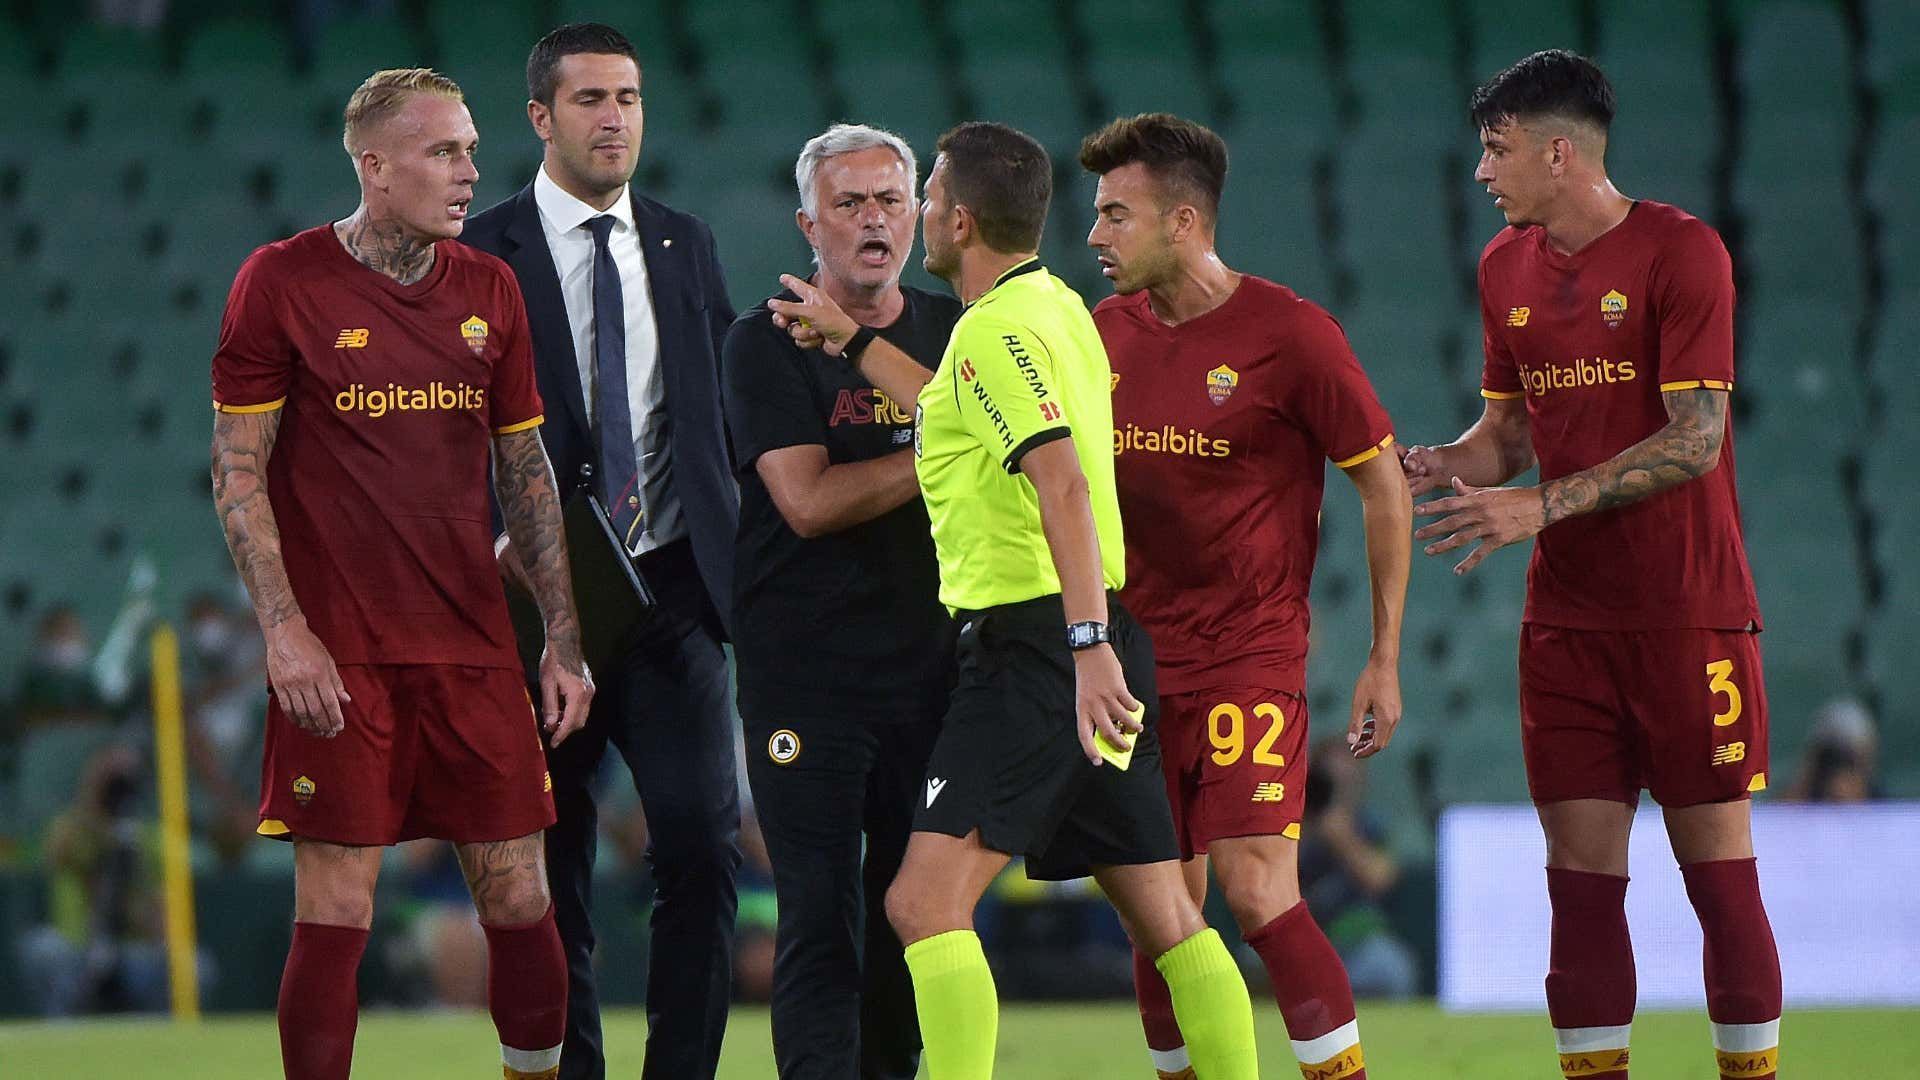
1025,366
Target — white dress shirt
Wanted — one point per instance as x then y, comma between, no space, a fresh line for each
569,239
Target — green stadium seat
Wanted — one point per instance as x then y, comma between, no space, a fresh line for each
1801,247
1668,119
1890,369
351,48
1269,224
1685,28
763,89
1413,99
1278,98
1129,85
649,26
1029,89
483,43
253,46
1015,66
89,50
1795,154
1503,31
1794,54
1292,29
903,95
1141,58
764,27
1395,28
1394,235
1894,164
1892,40
754,231
1124,30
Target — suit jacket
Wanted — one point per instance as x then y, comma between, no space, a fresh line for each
692,312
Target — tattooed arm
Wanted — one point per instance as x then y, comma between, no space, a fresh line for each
1688,446
530,505
299,668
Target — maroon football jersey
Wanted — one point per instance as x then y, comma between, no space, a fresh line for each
1591,341
1221,428
379,477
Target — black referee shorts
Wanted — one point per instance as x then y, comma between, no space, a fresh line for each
1009,762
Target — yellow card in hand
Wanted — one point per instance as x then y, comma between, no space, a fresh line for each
1112,754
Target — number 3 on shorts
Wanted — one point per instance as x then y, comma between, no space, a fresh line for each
1722,683
1229,743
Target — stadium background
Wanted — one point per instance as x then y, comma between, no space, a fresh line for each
150,146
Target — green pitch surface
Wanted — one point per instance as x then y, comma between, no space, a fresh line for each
1072,1042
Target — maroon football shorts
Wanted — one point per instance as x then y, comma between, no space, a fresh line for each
1604,713
438,750
1235,763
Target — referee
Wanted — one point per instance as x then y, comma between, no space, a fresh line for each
1012,444
843,653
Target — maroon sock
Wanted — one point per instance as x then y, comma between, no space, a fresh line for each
1590,981
1156,1008
527,994
1742,966
320,1001
1315,997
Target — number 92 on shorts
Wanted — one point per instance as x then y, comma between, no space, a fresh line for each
1235,762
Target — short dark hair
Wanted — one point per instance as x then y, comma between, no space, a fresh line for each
1553,82
1005,177
1180,154
543,63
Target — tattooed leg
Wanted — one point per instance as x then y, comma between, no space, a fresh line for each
508,879
333,883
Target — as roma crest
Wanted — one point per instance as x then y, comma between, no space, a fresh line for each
1221,382
474,330
1613,308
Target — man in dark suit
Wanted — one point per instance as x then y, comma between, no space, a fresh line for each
628,307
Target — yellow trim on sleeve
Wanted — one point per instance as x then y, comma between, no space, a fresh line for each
242,410
521,426
1696,384
272,827
1758,783
1291,832
1366,455
1501,395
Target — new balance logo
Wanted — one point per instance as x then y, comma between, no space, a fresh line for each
351,339
934,787
1519,316
1269,791
1729,753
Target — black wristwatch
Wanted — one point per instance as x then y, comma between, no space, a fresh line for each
857,344
1085,635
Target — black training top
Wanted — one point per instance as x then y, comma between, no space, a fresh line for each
849,623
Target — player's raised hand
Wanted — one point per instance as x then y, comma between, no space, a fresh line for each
1422,466
1103,702
304,679
566,692
1376,708
814,321
1495,516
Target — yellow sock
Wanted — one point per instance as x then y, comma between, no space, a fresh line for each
959,1010
1210,1002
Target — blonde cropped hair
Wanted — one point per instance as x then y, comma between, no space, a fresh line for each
384,93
